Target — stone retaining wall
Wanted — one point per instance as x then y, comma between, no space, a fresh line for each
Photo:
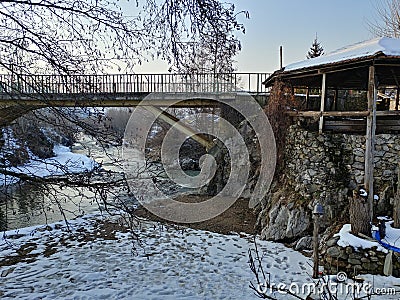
318,166
353,262
325,168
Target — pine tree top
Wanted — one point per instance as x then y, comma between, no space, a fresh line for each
315,50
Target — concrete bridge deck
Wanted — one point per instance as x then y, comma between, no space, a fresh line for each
21,93
124,85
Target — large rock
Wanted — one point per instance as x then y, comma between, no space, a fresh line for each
285,223
334,251
305,243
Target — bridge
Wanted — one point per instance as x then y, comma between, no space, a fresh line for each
118,89
21,93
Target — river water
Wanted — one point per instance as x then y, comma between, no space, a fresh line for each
26,205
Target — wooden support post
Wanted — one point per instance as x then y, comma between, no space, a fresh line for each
307,98
359,214
335,100
397,98
315,247
396,202
323,95
370,141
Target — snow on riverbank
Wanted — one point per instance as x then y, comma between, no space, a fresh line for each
172,264
64,162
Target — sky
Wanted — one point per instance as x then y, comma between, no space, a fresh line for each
293,24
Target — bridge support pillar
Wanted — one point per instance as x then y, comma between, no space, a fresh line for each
174,121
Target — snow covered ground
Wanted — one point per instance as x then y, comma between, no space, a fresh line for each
173,263
63,162
348,239
392,237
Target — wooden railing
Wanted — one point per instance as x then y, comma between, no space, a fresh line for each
351,121
354,114
132,83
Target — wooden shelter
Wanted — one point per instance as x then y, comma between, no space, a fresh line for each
371,68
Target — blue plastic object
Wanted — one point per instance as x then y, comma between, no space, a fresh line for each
377,236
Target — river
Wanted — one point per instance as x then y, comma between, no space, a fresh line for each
25,205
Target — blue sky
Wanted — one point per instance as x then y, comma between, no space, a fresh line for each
293,24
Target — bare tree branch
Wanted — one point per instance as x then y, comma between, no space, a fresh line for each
93,37
387,20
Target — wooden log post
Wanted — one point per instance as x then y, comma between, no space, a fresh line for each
315,247
359,214
335,99
322,108
370,141
396,202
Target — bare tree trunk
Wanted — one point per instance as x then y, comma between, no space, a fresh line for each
396,202
359,215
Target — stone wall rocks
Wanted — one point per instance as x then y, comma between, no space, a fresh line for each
325,168
354,261
286,222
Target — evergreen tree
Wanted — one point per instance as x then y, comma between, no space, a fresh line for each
316,49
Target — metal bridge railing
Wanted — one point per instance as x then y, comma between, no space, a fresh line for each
132,83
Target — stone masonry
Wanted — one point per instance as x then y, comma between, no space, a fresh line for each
325,168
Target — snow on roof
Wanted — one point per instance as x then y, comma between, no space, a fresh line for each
387,46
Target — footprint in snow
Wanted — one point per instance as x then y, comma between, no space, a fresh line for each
303,267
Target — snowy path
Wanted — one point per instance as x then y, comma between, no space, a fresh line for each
173,264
